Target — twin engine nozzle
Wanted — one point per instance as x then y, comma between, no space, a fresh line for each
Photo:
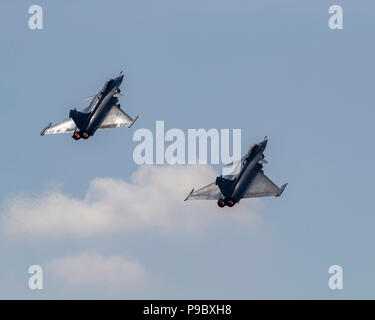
77,135
225,202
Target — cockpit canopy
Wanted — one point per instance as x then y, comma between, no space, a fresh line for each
108,84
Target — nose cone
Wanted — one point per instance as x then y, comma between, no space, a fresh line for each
119,79
264,144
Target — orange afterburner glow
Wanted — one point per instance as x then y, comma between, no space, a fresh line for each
77,136
221,203
230,203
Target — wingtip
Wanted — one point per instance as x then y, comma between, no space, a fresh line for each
282,189
135,119
189,194
42,133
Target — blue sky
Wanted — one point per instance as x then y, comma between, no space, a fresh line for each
267,67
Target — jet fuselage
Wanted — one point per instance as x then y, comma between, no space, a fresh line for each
233,190
101,104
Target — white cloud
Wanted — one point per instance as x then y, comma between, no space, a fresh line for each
153,201
93,269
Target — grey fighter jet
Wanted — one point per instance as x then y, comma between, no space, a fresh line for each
103,112
249,182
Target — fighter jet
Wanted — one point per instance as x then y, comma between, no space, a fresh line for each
103,112
248,182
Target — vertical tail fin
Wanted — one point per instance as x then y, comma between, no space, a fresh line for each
79,118
225,186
